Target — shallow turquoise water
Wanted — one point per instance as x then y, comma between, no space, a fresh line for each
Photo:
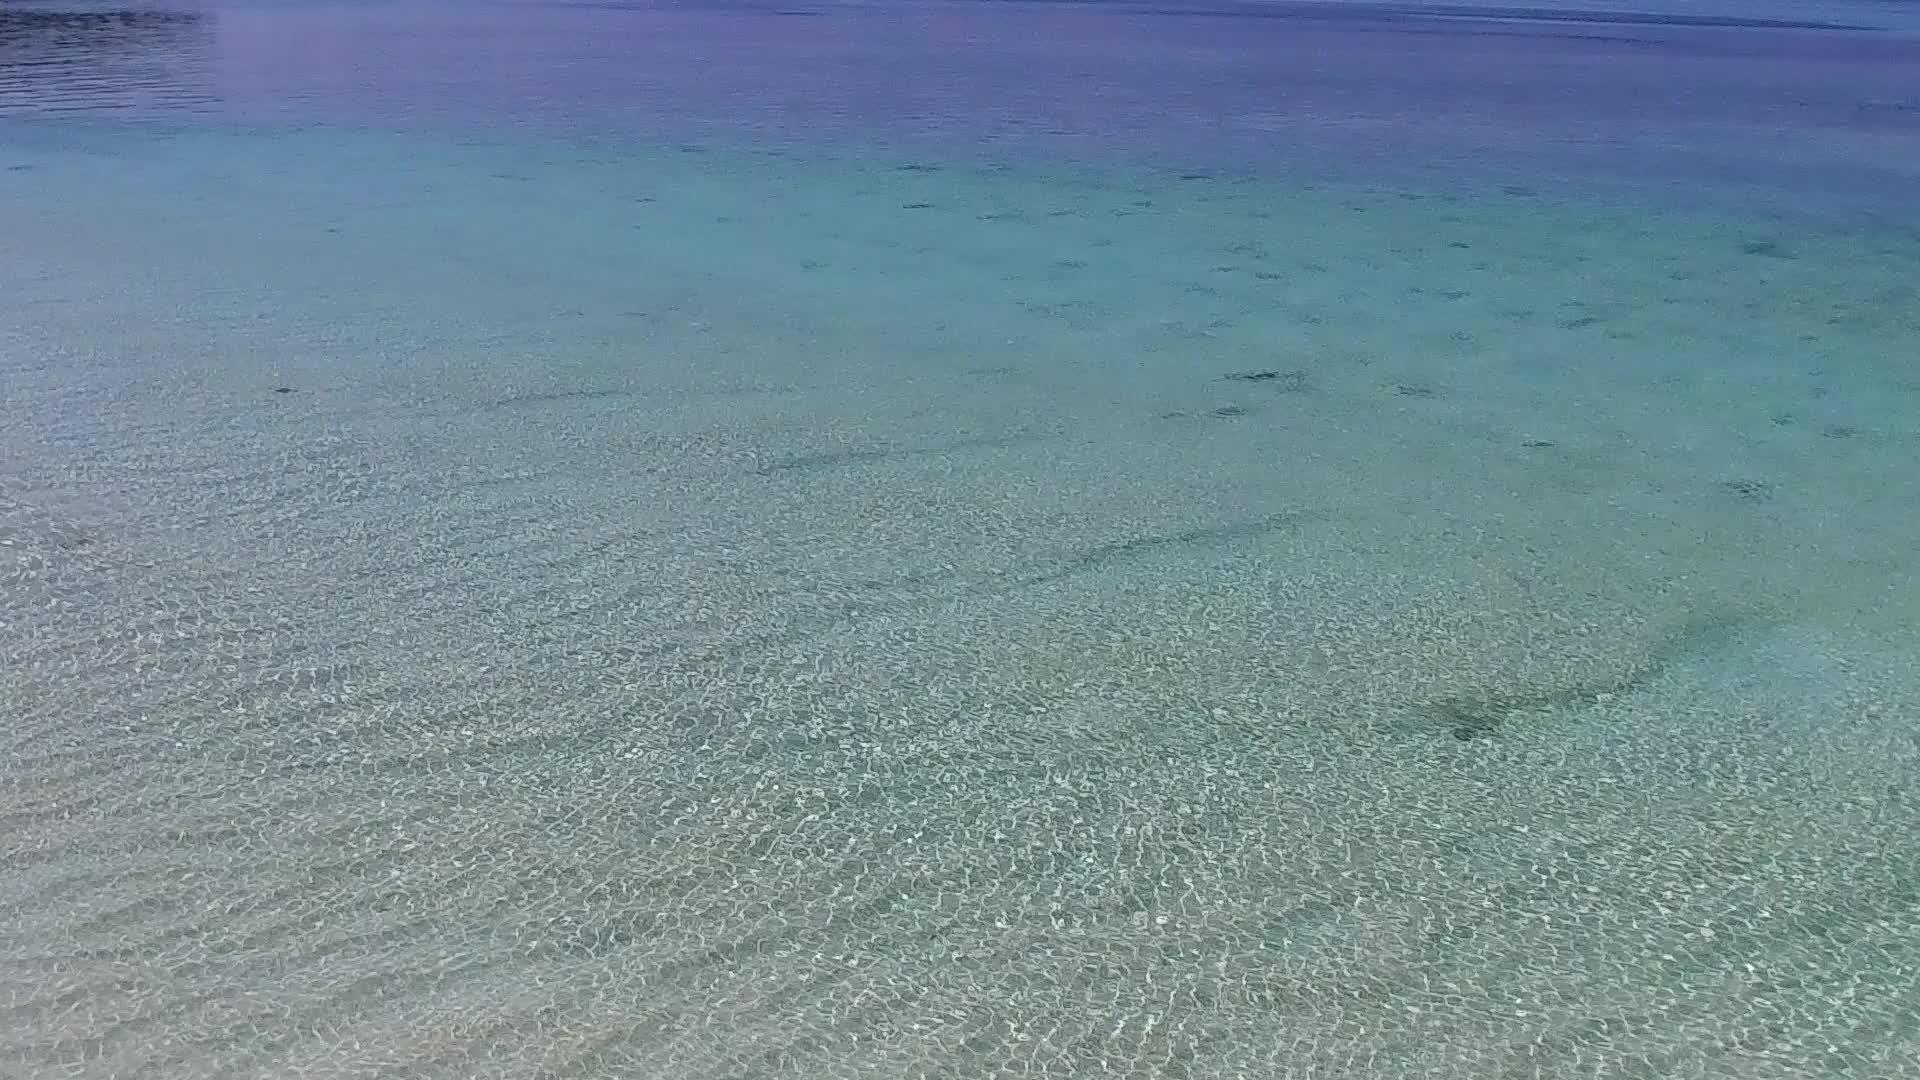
522,562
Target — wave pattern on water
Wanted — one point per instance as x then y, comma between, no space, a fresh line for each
510,609
135,61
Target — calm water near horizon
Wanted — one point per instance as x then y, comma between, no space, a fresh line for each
959,539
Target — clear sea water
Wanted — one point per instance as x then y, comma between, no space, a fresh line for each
959,539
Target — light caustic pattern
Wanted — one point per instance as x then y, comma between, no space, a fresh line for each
418,775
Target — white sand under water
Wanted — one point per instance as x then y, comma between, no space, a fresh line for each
520,611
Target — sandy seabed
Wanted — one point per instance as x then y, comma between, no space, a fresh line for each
529,611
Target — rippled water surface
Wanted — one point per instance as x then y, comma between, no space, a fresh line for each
959,540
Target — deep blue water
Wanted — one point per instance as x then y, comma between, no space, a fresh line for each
1812,106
